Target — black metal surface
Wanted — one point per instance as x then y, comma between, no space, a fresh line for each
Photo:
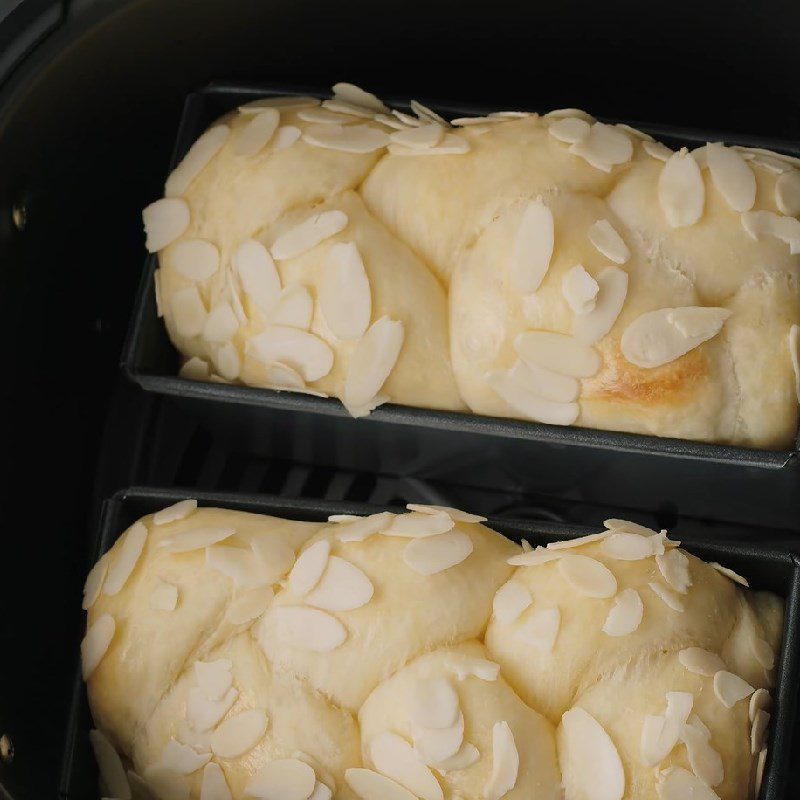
776,571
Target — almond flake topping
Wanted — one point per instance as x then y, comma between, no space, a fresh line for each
588,576
545,383
415,525
286,136
249,606
630,546
343,587
433,703
94,582
466,756
732,177
760,699
307,628
730,688
308,234
729,574
657,150
569,129
630,527
281,376
125,559
557,352
533,247
257,133
195,259
214,785
181,759
794,354
361,529
580,290
681,190
347,138
196,160
165,221
195,539
372,361
625,615
505,763
590,764
758,733
425,114
704,760
451,145
604,147
510,600
454,513
195,369
175,512
656,337
418,138
674,567
612,285
661,733
767,223
394,757
258,274
787,193
188,311
369,785
355,95
110,766
324,116
302,351
465,666
227,362
760,764
641,135
307,570
667,596
531,405
164,596
348,109
677,783
578,541
214,678
763,652
294,308
434,745
605,238
202,713
282,779
540,629
221,324
239,564
534,558
239,734
700,661
344,294
287,103
433,554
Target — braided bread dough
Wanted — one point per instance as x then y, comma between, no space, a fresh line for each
395,257
421,655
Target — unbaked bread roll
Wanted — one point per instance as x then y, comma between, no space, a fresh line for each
232,655
587,275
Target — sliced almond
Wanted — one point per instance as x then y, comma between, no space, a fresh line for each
758,732
560,113
343,587
308,568
214,677
426,114
166,785
240,564
227,362
434,554
658,738
676,783
681,190
195,539
578,541
545,383
653,340
732,177
590,764
628,546
196,160
767,223
641,135
369,785
349,109
533,247
787,193
434,745
534,558
282,376
249,606
569,129
94,582
365,410
372,361
294,308
588,576
109,764
481,668
700,661
406,119
612,285
530,405
696,320
730,688
308,234
794,354
763,652
433,703
510,600
321,792
729,574
451,145
289,103
324,116
674,567
362,528
276,557
557,352
255,136
668,597
282,779
394,757
125,559
466,756
188,311
258,274
302,351
580,290
625,615
343,292
175,512
505,763
214,785
346,139
239,734
308,628
202,713
419,138
604,147
157,292
418,525
695,722
455,514
760,765
704,760
182,759
540,629
164,596
286,136
221,323
760,699
657,150
700,155
630,527
605,238
165,221
355,95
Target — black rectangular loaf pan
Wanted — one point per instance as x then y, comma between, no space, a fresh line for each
150,360
776,571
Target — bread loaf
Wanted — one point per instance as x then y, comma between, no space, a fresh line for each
550,268
421,655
